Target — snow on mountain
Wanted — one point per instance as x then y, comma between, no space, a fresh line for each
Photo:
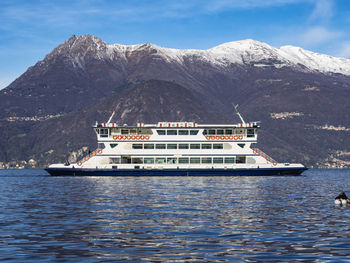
245,52
316,61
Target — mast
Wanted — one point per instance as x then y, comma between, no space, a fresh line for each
110,118
236,111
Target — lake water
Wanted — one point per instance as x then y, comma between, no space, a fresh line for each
183,219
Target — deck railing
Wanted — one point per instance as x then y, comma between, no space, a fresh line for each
89,156
264,155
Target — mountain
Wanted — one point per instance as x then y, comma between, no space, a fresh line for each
301,97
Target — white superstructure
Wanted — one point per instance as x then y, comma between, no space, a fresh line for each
176,145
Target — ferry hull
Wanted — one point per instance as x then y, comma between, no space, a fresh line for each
176,172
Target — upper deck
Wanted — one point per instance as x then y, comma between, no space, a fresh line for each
177,131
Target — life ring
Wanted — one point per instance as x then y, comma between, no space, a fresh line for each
133,137
137,137
235,137
79,163
261,154
142,137
255,151
93,154
147,137
86,158
207,137
240,137
267,158
231,137
115,137
274,163
99,151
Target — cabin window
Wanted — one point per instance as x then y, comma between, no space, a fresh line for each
195,146
229,160
137,160
211,132
250,132
195,160
160,160
160,146
161,132
240,159
193,132
206,159
126,159
218,146
172,146
171,132
133,131
228,132
183,132
114,160
113,145
137,146
171,160
205,132
148,146
241,145
124,131
206,146
183,146
144,131
101,145
220,132
183,160
104,132
218,160
148,160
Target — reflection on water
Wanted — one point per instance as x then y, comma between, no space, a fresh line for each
106,219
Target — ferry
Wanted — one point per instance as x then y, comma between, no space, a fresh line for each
176,149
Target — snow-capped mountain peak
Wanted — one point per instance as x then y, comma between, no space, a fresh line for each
246,52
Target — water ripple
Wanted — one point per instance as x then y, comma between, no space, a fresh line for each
185,219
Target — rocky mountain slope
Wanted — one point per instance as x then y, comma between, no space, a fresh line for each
301,97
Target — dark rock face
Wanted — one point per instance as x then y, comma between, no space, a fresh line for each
47,112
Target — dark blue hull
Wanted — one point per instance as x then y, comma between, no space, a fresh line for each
175,172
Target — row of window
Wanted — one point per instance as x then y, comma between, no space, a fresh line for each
177,132
103,132
174,146
180,160
250,132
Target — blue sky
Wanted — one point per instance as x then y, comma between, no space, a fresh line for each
30,29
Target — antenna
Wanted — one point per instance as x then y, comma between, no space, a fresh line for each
110,118
236,111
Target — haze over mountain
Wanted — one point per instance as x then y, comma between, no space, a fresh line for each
301,97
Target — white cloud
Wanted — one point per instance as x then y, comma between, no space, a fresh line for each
319,35
323,10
